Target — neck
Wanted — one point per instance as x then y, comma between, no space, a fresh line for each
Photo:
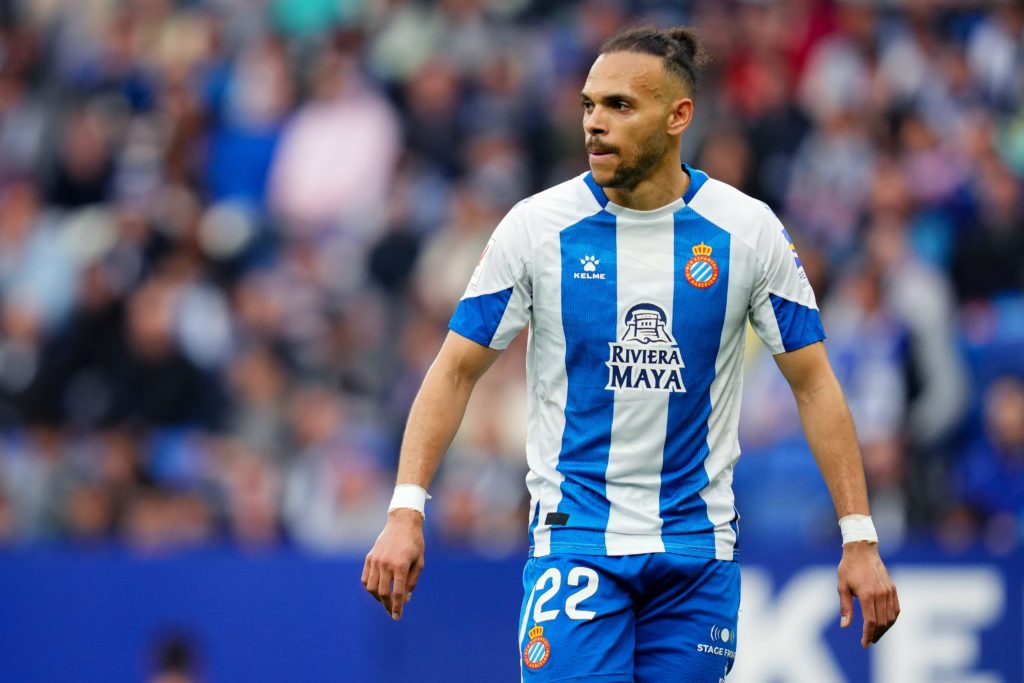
666,183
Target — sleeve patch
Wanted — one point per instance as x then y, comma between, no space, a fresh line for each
796,257
478,317
798,324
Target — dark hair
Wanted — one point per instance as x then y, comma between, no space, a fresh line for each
678,47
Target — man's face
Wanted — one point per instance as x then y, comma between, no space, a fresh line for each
625,107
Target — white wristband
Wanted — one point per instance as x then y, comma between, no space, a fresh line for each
857,528
410,496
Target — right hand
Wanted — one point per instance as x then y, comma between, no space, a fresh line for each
393,565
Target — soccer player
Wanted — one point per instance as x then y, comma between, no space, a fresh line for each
637,280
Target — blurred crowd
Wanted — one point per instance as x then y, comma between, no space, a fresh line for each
232,233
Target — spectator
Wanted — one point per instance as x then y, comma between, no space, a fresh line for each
37,272
324,175
252,108
336,489
990,474
990,254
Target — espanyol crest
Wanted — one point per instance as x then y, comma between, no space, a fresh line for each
647,357
537,650
701,271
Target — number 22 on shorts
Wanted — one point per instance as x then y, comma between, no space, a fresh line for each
584,577
538,649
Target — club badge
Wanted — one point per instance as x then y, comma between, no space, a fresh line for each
537,651
701,271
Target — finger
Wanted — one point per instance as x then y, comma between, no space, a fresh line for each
415,571
892,608
384,588
845,606
372,575
867,609
398,595
881,616
414,576
366,571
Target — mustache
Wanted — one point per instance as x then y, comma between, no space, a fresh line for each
598,148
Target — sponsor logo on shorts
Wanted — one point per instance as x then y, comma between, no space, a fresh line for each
716,650
537,650
719,635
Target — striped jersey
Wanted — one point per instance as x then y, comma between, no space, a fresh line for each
634,358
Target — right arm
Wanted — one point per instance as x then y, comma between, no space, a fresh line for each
393,566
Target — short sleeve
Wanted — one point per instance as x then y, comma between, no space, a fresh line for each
782,308
497,303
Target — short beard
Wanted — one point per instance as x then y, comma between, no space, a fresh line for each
628,176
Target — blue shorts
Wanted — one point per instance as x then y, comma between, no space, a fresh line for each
653,618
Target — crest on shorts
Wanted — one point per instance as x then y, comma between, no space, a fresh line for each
701,271
537,651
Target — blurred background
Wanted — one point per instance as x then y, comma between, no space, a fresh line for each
232,233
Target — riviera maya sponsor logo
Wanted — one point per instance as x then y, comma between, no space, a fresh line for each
537,650
701,271
647,357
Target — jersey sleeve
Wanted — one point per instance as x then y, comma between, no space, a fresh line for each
782,308
497,303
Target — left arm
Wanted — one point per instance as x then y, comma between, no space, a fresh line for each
830,433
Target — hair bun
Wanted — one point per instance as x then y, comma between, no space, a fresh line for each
679,49
687,38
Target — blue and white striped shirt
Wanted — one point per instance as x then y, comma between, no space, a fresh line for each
637,325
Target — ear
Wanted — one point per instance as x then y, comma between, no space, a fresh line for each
680,113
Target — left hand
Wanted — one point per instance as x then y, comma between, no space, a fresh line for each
393,565
863,575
